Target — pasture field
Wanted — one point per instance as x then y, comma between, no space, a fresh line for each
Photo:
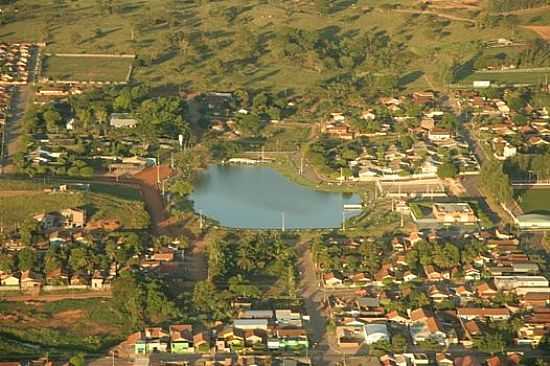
218,32
534,200
61,68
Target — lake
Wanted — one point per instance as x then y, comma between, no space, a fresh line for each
255,198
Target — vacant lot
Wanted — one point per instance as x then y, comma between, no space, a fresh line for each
86,68
534,200
103,202
59,328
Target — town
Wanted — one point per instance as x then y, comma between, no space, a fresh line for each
265,183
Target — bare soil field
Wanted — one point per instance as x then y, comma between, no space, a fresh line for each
542,30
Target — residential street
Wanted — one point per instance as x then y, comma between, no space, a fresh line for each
13,128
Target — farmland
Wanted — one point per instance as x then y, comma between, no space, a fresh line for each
86,68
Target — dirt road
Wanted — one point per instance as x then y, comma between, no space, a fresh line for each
57,297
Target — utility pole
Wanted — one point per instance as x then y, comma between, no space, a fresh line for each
172,160
302,165
200,220
343,220
282,221
158,168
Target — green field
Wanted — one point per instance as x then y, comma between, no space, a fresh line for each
534,200
217,32
512,77
103,202
86,68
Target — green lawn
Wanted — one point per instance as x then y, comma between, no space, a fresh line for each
534,200
86,68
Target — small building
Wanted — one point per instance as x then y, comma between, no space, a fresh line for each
74,217
122,120
181,338
453,213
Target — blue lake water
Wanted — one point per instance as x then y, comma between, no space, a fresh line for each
256,197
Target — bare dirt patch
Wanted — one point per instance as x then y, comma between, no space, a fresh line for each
69,316
542,30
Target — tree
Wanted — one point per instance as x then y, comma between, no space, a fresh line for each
26,259
490,342
249,124
398,343
77,360
7,263
447,170
239,286
53,120
208,300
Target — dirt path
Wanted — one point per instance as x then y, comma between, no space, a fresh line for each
435,13
58,297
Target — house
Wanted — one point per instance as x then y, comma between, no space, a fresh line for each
443,359
534,299
330,280
164,255
424,326
439,134
471,273
508,283
393,316
452,213
246,324
350,337
288,318
181,338
201,342
98,281
483,313
74,217
256,314
292,338
432,274
375,332
9,280
80,279
151,340
122,120
30,280
485,291
471,329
